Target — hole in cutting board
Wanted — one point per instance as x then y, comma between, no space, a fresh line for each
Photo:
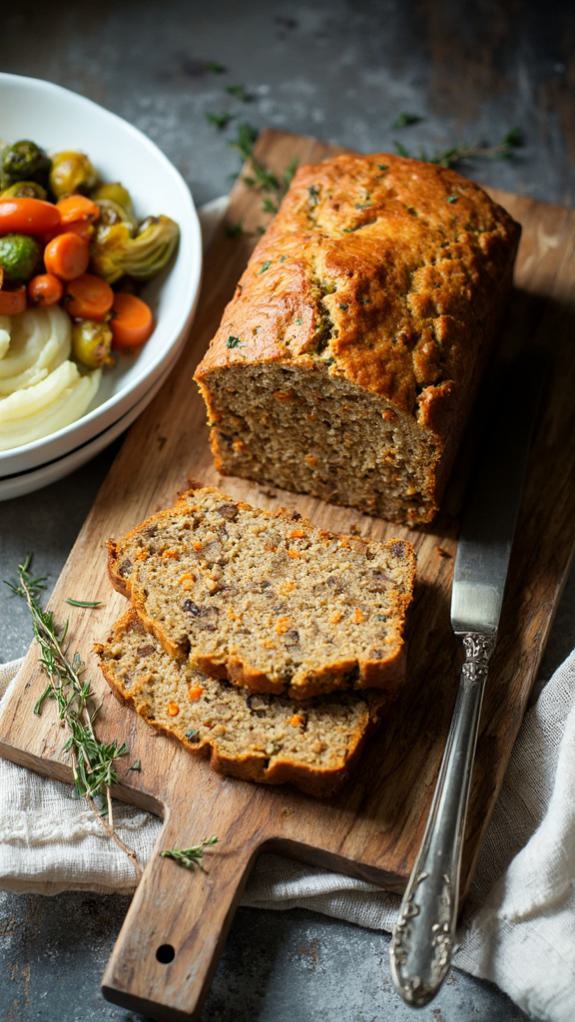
165,954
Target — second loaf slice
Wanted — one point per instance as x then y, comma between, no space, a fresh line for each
264,599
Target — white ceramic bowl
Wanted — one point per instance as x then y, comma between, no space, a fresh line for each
36,478
59,119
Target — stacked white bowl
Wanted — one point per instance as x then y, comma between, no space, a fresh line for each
58,119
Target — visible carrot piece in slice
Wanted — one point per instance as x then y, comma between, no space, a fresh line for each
45,289
89,297
12,302
67,256
132,321
78,207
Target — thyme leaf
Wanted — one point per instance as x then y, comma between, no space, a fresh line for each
83,603
405,120
239,92
220,121
234,230
189,858
215,67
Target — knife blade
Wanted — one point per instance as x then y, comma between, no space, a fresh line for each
424,935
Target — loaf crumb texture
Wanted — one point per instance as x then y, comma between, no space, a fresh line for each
256,737
264,599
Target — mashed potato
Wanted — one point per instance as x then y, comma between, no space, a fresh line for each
41,390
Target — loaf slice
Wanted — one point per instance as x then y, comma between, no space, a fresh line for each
348,360
266,600
252,736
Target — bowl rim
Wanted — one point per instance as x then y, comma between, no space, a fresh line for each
192,286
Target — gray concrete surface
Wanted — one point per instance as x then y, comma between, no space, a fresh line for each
341,70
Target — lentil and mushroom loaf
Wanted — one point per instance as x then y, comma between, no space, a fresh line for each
347,362
266,600
252,736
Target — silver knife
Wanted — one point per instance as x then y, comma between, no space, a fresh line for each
424,935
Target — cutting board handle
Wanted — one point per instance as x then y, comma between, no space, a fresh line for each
176,926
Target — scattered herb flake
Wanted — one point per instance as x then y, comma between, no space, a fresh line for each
265,266
343,306
233,342
452,198
245,139
234,230
400,148
136,767
192,734
405,120
189,858
289,172
220,121
215,67
269,206
383,167
298,321
238,92
313,192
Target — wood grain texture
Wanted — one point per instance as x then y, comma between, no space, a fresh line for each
373,828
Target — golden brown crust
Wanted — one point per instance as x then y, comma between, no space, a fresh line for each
386,672
395,259
250,765
381,272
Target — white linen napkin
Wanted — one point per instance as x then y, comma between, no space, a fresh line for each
519,925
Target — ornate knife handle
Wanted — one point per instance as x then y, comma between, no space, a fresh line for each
424,935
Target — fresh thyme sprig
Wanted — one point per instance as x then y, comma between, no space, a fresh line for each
93,761
259,176
189,858
464,153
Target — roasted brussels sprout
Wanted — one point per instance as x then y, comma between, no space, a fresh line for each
116,253
24,190
115,192
72,172
92,343
112,212
24,161
19,257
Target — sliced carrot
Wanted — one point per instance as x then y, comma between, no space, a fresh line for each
28,216
67,256
132,321
89,297
83,228
12,302
78,207
45,289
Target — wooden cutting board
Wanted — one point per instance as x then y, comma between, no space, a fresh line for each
372,829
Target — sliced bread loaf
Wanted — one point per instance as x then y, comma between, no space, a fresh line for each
266,600
255,737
